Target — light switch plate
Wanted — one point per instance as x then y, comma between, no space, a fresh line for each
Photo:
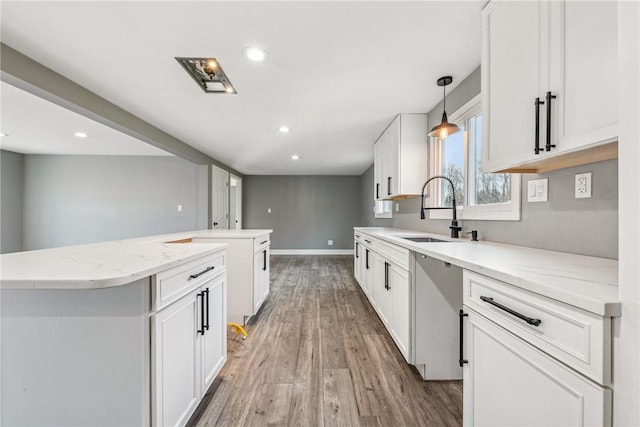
583,185
538,190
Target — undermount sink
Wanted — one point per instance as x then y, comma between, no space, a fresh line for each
423,239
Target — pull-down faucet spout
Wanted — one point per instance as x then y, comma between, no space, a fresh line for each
454,227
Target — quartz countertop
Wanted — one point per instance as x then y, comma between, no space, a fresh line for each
589,283
108,264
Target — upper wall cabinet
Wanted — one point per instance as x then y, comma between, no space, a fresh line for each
549,84
400,158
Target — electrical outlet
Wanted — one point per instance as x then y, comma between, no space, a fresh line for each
268,210
330,242
538,190
583,185
179,208
397,207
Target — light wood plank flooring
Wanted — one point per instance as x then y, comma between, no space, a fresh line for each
318,355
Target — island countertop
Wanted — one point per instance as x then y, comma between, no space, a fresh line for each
108,264
586,282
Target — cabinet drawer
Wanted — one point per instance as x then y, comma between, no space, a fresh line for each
171,284
576,337
396,254
261,242
369,242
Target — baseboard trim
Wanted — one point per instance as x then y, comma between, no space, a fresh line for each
311,251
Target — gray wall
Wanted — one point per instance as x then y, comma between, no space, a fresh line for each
81,199
566,224
11,191
306,211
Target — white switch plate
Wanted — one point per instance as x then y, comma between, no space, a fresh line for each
538,190
583,185
397,207
179,208
268,210
330,242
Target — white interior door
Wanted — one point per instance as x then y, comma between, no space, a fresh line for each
219,198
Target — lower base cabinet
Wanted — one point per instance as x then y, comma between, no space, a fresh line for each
188,350
508,382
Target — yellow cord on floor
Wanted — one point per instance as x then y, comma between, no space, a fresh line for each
238,329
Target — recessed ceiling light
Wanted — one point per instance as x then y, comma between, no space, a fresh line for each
81,135
295,157
284,129
255,54
208,74
3,134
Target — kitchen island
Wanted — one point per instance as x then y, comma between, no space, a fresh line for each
127,332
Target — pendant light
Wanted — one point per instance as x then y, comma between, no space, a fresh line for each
444,129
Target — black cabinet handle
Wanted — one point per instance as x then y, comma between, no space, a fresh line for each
529,320
357,255
206,270
206,325
377,190
461,359
367,258
549,145
387,286
264,260
537,148
263,242
368,241
201,296
388,186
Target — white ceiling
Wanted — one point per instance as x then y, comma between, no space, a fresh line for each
337,72
37,126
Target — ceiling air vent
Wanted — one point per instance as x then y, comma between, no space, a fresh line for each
208,73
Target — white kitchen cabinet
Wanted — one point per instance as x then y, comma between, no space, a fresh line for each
524,352
564,54
188,345
248,270
383,296
260,277
399,325
400,158
358,260
176,382
386,280
508,382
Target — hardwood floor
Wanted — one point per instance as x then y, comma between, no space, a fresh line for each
317,354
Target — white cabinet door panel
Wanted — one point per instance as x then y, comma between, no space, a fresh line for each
399,281
508,382
177,385
214,340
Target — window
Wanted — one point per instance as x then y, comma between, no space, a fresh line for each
484,196
383,208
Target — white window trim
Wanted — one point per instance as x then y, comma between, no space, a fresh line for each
494,212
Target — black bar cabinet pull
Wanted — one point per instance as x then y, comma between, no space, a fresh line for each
549,145
357,254
264,260
537,148
206,270
377,190
366,258
368,241
206,325
529,320
461,359
201,296
387,286
388,186
263,242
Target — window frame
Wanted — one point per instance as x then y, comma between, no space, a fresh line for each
509,211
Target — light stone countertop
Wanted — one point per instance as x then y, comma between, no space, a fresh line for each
108,264
589,283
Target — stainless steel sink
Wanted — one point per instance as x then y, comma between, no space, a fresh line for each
423,239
